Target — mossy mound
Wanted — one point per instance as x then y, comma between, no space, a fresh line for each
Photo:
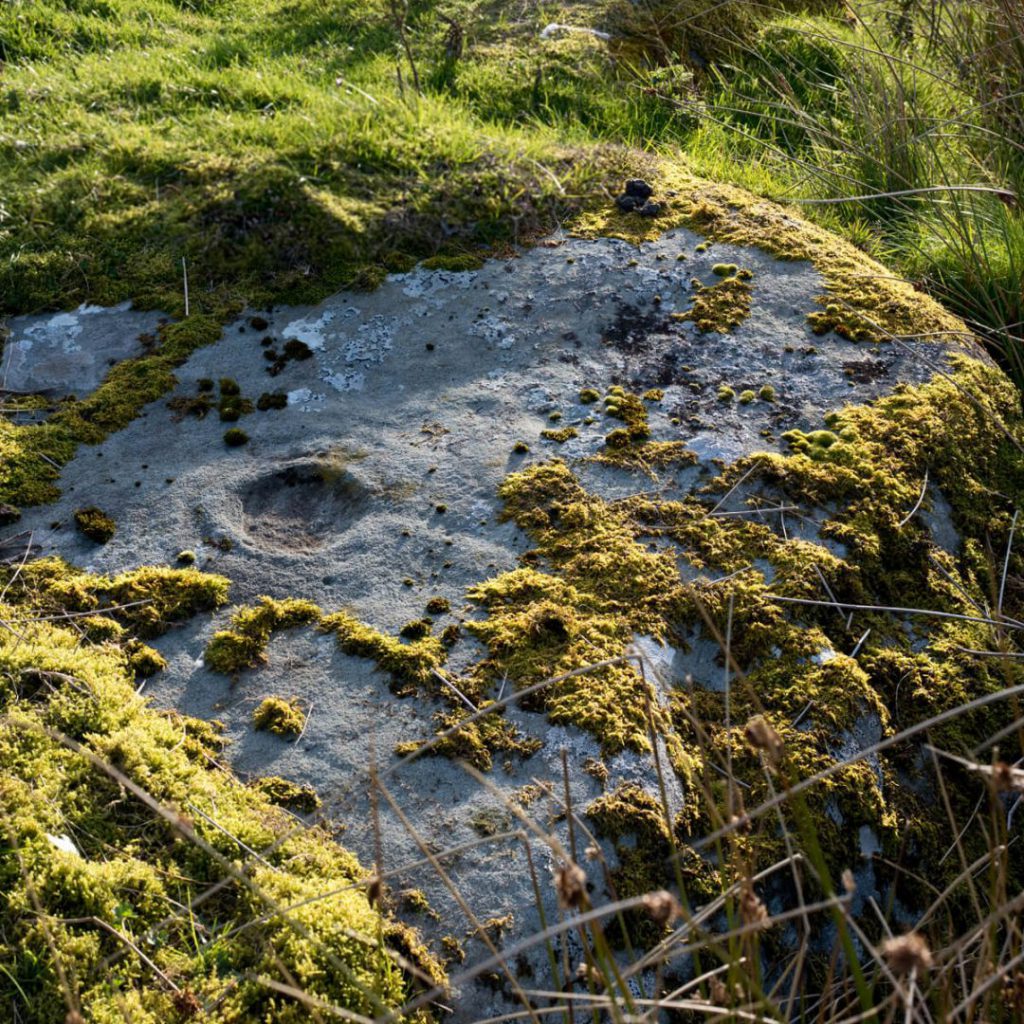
131,889
280,716
410,665
95,524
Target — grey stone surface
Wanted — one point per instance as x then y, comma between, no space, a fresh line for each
70,353
412,403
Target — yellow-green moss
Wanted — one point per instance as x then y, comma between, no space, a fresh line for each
410,665
459,262
146,601
594,580
244,645
95,524
285,793
646,855
561,435
476,742
719,307
601,587
116,869
280,716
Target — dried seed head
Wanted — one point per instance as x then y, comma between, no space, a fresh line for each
662,906
590,973
907,953
592,853
849,882
1006,778
742,823
761,736
374,890
718,992
752,911
570,885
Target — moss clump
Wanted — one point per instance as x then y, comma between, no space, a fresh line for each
590,395
650,455
95,524
629,408
601,587
80,752
232,408
146,601
280,716
438,606
725,393
628,447
415,901
767,393
646,854
271,400
244,645
204,384
746,397
417,629
720,307
285,793
476,742
186,557
561,436
724,269
143,660
411,665
520,448
197,406
235,438
229,387
458,262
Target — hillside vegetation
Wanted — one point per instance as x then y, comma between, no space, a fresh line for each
278,150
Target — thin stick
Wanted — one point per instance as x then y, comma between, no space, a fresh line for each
184,274
1006,563
896,610
917,504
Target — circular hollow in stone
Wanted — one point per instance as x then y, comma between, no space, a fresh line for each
304,506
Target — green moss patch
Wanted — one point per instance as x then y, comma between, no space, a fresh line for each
95,524
281,716
410,665
244,645
719,308
116,817
288,794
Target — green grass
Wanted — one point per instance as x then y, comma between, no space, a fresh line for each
904,135
269,144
